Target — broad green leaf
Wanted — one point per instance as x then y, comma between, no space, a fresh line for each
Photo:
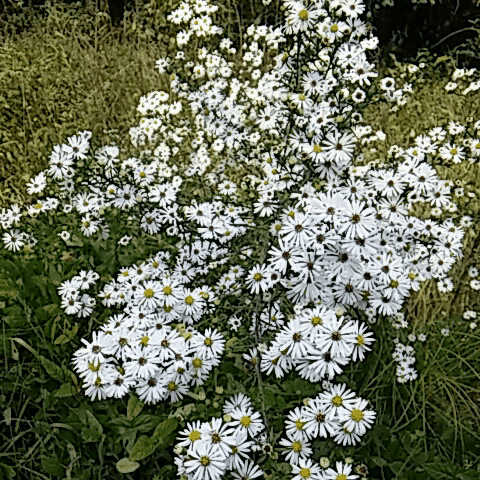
143,447
41,282
52,466
134,407
126,466
91,435
66,390
380,462
396,467
55,277
6,472
164,429
53,370
93,422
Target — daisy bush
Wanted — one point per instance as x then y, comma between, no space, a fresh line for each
268,237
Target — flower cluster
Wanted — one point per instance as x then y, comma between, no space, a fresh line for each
72,301
404,355
207,450
337,412
139,348
461,77
318,343
473,274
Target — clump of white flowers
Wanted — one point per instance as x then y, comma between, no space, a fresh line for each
337,412
404,355
318,343
139,348
73,302
207,450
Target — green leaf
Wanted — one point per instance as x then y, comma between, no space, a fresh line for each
145,423
143,447
134,407
52,466
126,466
15,316
91,435
164,429
396,467
53,370
281,403
40,281
74,241
380,462
93,422
8,289
269,398
6,471
55,278
66,337
66,390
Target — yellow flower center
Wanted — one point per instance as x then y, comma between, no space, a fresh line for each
38,205
297,446
208,342
477,145
167,308
144,341
205,461
341,477
453,151
303,14
317,148
167,290
245,421
197,362
316,321
194,436
148,293
394,284
125,274
93,367
360,340
172,386
337,400
142,175
257,277
357,415
155,264
189,300
299,424
302,97
305,473
334,28
278,227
